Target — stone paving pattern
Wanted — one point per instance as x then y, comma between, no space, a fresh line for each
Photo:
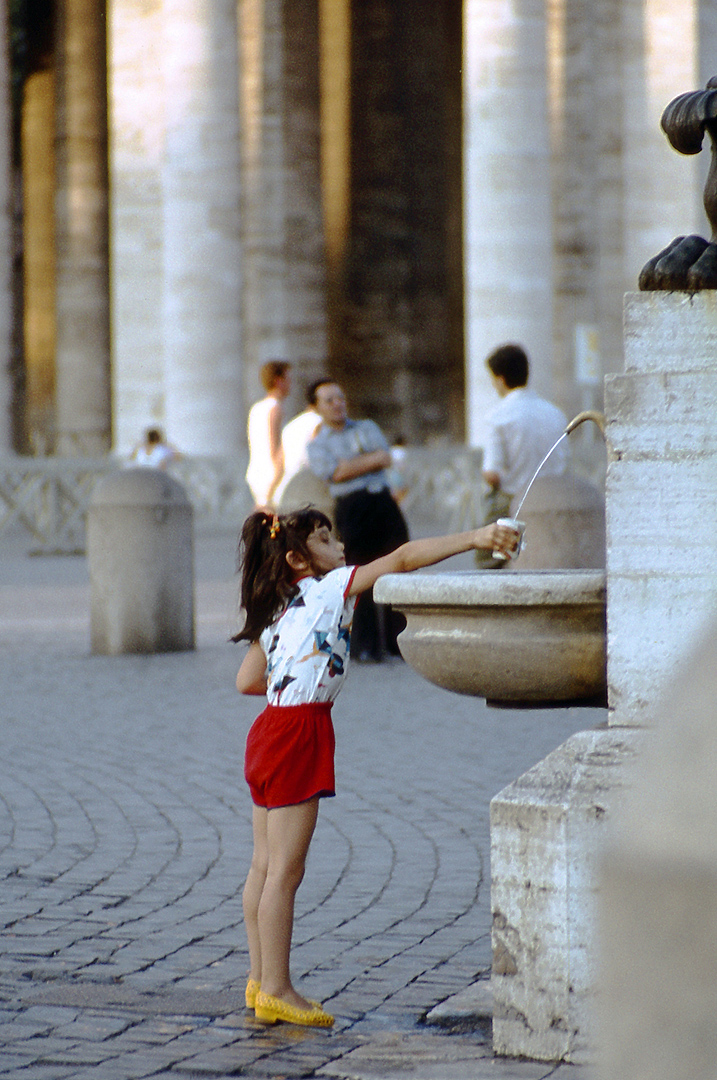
125,836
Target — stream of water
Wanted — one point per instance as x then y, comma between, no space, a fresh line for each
525,493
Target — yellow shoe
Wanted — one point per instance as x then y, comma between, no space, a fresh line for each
272,1009
252,989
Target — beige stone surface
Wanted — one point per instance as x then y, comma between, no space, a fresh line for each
564,524
546,833
662,511
507,211
475,1001
658,904
136,121
504,635
396,1057
82,352
140,560
282,234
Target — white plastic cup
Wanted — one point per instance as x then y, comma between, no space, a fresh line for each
519,527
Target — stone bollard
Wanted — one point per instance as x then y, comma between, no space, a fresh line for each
140,553
305,489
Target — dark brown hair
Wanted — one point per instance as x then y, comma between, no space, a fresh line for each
267,580
311,391
511,363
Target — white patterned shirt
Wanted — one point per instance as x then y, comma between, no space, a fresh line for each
307,646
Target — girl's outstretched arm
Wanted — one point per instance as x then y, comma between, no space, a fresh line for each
418,553
252,673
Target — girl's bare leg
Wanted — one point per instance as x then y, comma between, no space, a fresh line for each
289,832
253,889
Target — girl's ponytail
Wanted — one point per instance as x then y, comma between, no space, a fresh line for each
267,580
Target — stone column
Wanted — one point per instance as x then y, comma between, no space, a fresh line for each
585,97
6,305
205,408
507,212
136,102
284,309
662,189
335,79
38,264
82,353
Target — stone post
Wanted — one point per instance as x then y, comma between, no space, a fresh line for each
139,549
507,211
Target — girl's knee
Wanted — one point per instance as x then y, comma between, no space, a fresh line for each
259,863
288,873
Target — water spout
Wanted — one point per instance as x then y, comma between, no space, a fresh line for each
591,414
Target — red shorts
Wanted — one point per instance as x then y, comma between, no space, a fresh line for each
290,754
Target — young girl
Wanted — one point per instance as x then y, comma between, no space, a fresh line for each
299,596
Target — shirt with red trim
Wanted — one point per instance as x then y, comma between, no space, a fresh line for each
307,647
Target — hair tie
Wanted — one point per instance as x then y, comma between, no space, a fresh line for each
274,527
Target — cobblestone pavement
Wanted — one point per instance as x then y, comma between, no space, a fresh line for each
125,836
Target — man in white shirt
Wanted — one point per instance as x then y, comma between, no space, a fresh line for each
521,430
295,438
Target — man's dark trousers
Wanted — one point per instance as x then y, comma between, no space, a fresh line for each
371,525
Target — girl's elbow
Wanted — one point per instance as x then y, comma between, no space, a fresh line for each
245,684
402,560
253,689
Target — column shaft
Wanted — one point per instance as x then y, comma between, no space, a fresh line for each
6,301
507,211
200,221
284,307
136,101
82,355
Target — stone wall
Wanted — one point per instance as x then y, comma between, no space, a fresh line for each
662,511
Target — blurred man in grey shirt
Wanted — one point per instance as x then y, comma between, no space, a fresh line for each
353,457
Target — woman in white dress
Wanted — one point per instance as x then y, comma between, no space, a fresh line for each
266,460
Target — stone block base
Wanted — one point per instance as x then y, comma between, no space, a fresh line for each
546,835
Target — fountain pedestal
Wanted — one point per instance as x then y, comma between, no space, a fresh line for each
546,830
548,826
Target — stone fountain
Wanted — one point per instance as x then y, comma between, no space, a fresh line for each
548,827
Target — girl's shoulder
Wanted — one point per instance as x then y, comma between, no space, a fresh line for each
333,584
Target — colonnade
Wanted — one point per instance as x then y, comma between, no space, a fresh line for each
569,184
210,257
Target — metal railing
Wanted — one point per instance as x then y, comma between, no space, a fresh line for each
48,497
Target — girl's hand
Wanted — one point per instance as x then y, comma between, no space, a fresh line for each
496,538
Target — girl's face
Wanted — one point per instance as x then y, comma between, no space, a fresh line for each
326,551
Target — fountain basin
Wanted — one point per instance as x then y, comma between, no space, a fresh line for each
513,637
